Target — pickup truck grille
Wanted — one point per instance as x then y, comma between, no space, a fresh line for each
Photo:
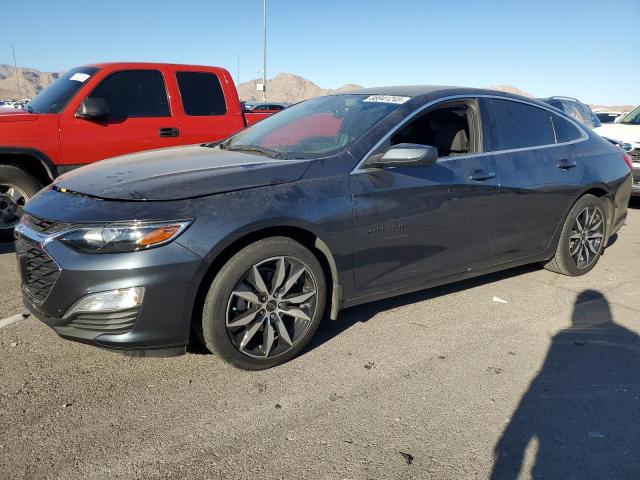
38,270
635,155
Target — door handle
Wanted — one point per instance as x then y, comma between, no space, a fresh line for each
169,132
482,175
566,164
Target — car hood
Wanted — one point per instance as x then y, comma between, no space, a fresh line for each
178,173
620,132
15,115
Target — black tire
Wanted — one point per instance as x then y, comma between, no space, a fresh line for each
216,335
563,262
11,176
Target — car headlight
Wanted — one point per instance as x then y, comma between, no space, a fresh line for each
121,237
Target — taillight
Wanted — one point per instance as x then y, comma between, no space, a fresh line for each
627,159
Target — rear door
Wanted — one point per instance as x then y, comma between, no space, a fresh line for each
412,224
207,104
540,175
140,118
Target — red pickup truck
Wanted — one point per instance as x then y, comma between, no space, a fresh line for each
99,111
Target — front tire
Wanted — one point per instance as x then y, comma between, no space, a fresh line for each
582,239
16,188
265,304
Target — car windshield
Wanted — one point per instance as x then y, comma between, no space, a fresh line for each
56,96
316,128
633,117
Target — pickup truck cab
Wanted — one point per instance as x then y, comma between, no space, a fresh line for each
105,110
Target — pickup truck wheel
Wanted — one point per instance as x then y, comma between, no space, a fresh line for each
265,304
16,188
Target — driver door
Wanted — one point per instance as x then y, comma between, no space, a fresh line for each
414,224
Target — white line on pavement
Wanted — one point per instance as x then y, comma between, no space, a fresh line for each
5,322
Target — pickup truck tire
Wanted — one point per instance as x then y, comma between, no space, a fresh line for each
16,188
265,304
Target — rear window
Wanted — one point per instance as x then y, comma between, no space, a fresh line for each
201,94
521,125
134,93
565,131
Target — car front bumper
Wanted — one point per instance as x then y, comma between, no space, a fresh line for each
55,277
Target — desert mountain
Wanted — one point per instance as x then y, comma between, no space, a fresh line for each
510,89
284,87
32,81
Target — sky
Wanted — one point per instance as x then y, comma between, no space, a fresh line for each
586,49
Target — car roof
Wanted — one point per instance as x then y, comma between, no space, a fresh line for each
436,90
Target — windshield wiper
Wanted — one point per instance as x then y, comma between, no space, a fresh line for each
254,149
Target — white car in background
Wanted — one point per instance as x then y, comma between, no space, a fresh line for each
605,116
626,133
5,104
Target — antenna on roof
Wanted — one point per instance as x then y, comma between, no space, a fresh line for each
15,65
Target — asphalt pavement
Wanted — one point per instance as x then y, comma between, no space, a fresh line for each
522,374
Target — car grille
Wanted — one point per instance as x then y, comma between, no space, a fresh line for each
39,271
42,225
635,155
117,322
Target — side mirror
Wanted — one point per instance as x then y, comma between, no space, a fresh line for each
407,155
93,108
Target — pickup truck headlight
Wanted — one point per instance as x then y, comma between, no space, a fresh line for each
121,237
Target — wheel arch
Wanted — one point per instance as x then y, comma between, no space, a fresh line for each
599,190
31,161
603,192
304,236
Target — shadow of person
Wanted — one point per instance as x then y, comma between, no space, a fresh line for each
583,407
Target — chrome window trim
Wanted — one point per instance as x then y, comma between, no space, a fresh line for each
584,135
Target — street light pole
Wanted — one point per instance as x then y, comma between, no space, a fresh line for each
264,50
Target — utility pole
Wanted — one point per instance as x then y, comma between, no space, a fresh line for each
15,65
264,50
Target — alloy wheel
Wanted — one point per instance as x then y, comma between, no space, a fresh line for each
12,200
587,235
271,307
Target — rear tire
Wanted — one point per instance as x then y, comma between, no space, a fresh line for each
16,188
582,239
265,304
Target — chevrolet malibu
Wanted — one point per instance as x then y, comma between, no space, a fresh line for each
336,201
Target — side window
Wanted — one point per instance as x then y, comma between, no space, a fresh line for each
201,94
449,128
574,112
134,93
565,131
521,125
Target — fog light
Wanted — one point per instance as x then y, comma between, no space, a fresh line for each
110,301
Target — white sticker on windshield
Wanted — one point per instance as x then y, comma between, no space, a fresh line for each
79,77
387,99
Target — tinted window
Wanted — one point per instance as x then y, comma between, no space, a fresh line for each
134,93
55,97
201,94
565,131
521,125
606,117
578,112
